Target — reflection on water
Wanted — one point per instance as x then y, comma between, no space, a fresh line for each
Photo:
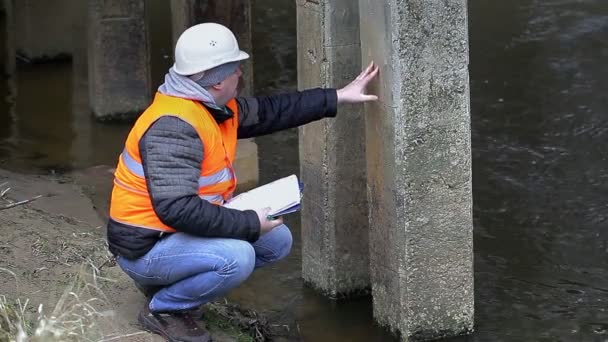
540,169
53,130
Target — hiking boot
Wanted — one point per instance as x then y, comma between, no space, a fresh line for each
173,326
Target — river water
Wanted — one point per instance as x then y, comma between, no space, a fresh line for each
539,76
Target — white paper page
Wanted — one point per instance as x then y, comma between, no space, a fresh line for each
278,195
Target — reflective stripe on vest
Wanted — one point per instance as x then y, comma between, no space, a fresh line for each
217,199
131,202
137,169
132,164
222,175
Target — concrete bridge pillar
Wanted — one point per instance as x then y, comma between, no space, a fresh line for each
43,28
119,65
236,15
8,123
332,153
419,166
81,114
8,38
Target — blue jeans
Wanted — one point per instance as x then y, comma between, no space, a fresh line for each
194,270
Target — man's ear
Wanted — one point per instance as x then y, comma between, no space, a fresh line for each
218,86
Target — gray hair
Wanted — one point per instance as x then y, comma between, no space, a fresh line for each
216,75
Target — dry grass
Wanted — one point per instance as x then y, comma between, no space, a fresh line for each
75,316
13,204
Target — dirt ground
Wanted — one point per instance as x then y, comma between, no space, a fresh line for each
46,242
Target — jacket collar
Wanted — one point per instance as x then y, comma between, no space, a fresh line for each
219,114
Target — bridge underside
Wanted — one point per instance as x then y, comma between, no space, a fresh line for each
388,201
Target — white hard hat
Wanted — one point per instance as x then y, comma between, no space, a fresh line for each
205,46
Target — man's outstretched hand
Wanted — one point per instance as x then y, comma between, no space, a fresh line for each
354,92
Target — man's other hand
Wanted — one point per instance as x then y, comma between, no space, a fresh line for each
354,92
267,225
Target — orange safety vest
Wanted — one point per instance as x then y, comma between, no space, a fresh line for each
131,203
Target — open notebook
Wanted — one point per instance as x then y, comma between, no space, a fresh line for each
281,196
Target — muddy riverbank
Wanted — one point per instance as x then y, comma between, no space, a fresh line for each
53,243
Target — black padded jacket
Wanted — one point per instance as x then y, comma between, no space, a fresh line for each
172,153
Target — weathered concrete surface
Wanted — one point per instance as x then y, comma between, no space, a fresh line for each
80,109
236,15
119,66
246,165
44,28
419,166
332,161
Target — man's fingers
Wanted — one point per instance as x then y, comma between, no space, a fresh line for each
371,75
372,67
354,92
374,72
277,222
366,72
367,98
361,75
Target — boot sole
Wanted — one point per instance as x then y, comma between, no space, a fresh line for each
153,328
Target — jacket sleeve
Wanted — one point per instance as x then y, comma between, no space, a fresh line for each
172,153
267,114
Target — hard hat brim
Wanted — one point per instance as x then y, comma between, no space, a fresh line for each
242,55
